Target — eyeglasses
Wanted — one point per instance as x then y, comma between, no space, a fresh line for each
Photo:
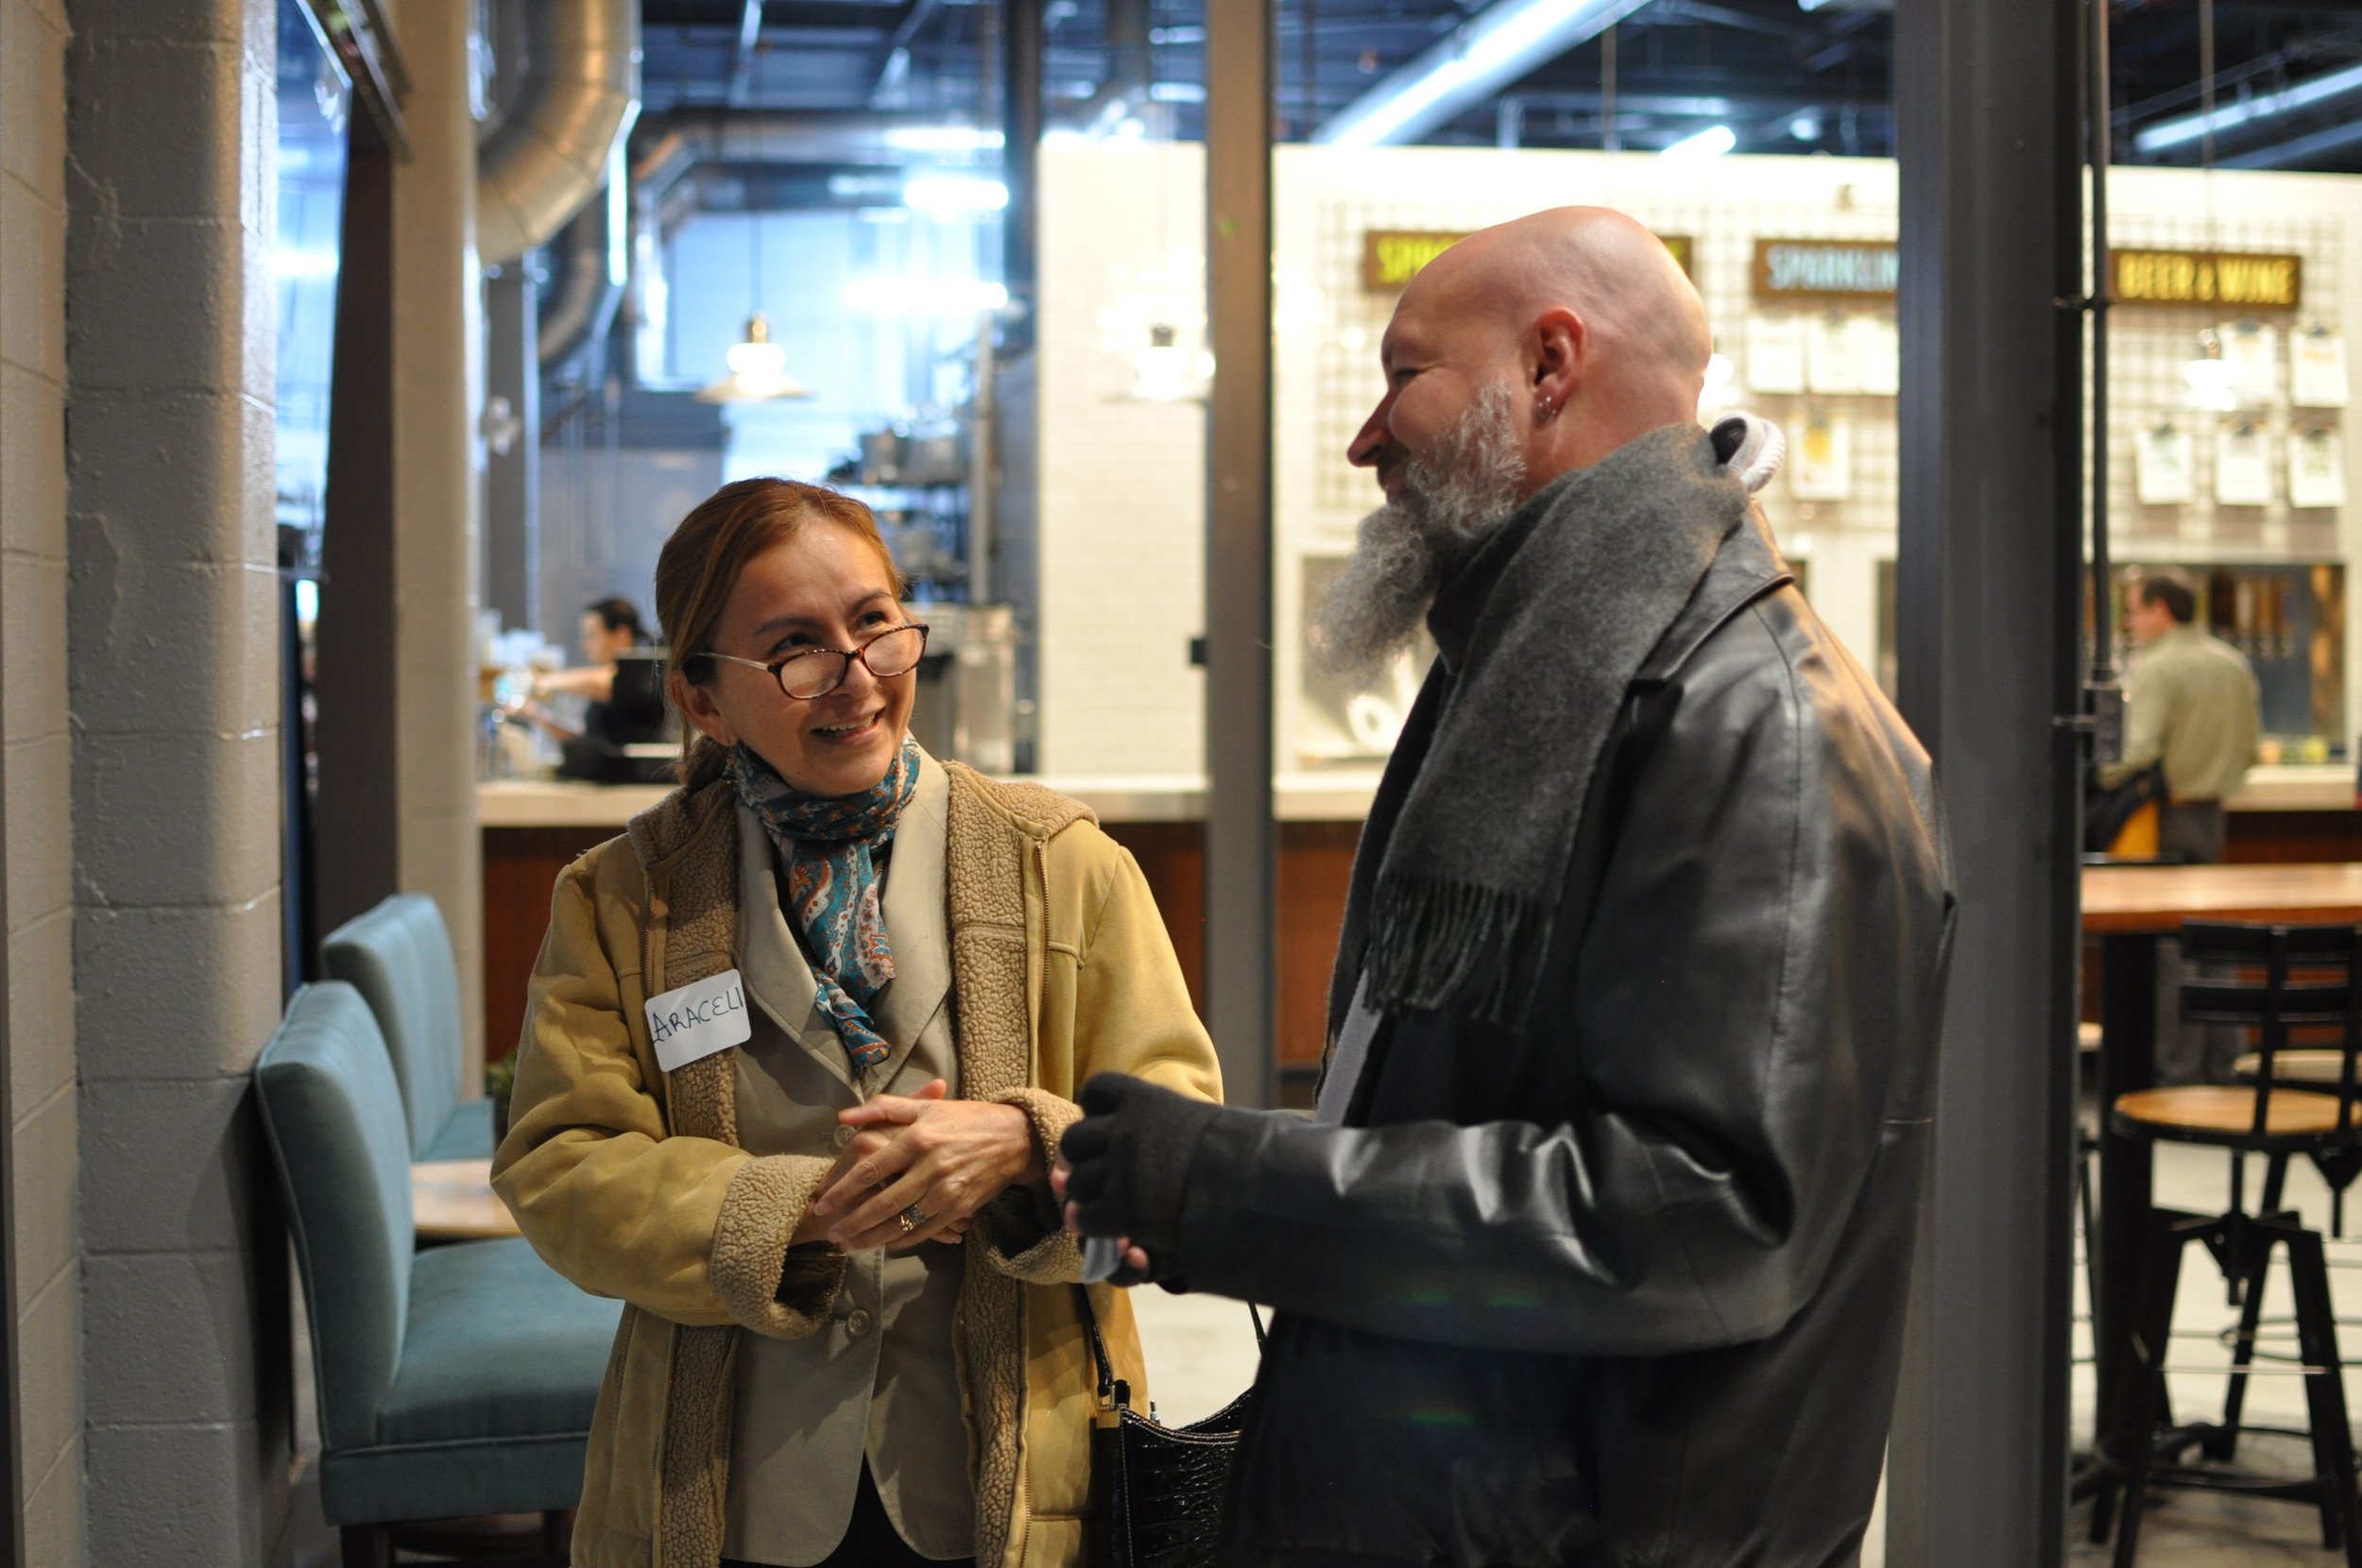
811,673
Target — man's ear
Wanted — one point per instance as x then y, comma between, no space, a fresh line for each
1560,339
696,704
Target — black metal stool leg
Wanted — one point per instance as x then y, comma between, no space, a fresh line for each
2135,1441
2223,1446
2325,1393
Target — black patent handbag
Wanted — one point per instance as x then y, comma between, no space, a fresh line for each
1156,1491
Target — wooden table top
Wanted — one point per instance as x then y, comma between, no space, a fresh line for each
452,1200
2139,899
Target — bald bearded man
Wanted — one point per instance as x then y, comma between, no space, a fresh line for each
1596,1250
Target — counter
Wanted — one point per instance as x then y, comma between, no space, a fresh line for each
531,829
1343,795
2322,787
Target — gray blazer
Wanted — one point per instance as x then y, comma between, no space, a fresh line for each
881,1381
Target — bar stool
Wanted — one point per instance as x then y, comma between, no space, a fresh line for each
2303,1068
2309,979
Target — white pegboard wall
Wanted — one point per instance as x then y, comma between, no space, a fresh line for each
1123,517
2149,349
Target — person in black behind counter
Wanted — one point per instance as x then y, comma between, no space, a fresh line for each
623,698
1596,1252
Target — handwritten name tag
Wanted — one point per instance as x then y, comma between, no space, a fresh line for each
698,1019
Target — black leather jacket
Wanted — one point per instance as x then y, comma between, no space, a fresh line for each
1626,1288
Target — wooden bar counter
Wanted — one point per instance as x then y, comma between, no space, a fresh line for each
532,831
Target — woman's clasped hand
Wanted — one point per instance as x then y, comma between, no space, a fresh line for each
923,1157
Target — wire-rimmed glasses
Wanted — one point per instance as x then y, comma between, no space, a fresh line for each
808,673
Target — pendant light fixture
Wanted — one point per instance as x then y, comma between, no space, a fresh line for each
757,366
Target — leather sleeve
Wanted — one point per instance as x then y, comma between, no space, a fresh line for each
1756,994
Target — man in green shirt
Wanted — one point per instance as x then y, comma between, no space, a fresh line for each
2191,702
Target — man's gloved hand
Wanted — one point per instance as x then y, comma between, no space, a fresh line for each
1129,1158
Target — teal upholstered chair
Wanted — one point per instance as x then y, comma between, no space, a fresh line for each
399,957
453,1381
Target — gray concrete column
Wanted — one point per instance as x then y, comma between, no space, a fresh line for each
1241,835
35,783
438,389
173,681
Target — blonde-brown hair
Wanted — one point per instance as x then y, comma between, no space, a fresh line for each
699,569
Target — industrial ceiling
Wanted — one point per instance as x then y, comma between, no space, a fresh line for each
1785,76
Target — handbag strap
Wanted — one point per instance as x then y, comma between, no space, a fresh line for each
1108,1382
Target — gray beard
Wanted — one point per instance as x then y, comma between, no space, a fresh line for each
1450,501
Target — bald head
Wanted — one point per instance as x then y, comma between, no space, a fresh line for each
1582,303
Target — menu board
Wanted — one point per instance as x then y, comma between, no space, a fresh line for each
2317,370
2317,469
1832,355
2163,468
2252,350
1821,468
1880,349
1775,354
2243,475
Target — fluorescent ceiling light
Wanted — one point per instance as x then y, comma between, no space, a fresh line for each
2264,106
303,264
924,295
954,193
1501,44
1712,142
847,187
1177,91
942,139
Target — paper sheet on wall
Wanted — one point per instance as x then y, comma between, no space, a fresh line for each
1832,355
1821,461
2317,370
2317,469
2252,352
2243,475
1878,349
1775,354
2163,464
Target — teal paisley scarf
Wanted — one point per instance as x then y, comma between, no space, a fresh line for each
830,849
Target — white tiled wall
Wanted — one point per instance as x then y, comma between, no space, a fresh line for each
1122,517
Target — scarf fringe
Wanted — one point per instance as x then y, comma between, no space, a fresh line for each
1438,945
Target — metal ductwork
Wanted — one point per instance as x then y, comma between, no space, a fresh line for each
1126,87
1506,42
594,255
577,91
785,136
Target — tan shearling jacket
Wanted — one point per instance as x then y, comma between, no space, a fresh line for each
630,1181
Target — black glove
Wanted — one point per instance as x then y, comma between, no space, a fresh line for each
1129,1158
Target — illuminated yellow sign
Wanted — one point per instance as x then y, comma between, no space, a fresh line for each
1392,257
2248,280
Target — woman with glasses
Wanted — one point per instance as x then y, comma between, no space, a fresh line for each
798,1054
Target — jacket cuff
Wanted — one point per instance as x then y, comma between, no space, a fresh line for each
756,1280
1020,1231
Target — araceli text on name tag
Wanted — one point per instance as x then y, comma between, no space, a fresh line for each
698,1019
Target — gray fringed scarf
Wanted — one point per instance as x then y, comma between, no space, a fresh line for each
1462,865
